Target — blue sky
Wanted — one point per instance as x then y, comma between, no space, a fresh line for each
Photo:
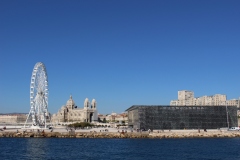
119,52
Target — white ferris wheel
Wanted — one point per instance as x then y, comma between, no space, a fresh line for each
38,97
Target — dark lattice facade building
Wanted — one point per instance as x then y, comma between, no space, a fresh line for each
182,117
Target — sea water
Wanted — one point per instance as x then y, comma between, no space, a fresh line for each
134,149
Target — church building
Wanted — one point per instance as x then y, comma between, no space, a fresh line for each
71,113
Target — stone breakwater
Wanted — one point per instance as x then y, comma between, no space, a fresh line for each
225,134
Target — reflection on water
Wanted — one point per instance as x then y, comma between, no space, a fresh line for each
36,148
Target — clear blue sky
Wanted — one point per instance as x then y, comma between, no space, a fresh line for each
119,52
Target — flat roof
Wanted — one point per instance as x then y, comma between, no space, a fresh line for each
137,106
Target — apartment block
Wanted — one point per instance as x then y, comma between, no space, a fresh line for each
186,98
233,102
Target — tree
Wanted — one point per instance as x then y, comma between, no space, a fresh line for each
80,125
99,120
104,120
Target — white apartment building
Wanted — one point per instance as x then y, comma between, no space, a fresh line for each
215,100
233,102
186,98
185,95
174,103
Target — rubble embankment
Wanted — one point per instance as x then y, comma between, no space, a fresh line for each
215,134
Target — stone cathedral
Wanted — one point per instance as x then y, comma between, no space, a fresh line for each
71,113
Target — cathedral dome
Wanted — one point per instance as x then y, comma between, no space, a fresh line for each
70,102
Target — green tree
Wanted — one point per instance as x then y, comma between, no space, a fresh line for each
104,120
80,125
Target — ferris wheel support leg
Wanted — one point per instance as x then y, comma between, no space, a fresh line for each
50,118
45,121
27,119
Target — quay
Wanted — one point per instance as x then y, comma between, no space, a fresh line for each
115,133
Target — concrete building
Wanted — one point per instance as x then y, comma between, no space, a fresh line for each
71,113
233,102
186,98
184,95
114,117
13,118
101,117
123,117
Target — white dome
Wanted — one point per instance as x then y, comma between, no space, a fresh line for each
70,102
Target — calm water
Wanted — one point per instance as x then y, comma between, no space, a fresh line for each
56,148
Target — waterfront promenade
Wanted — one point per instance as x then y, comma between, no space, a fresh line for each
116,133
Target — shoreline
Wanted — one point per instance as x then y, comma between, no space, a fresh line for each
95,134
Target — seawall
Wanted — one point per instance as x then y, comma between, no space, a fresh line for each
215,134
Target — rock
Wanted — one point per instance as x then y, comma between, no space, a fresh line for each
122,135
